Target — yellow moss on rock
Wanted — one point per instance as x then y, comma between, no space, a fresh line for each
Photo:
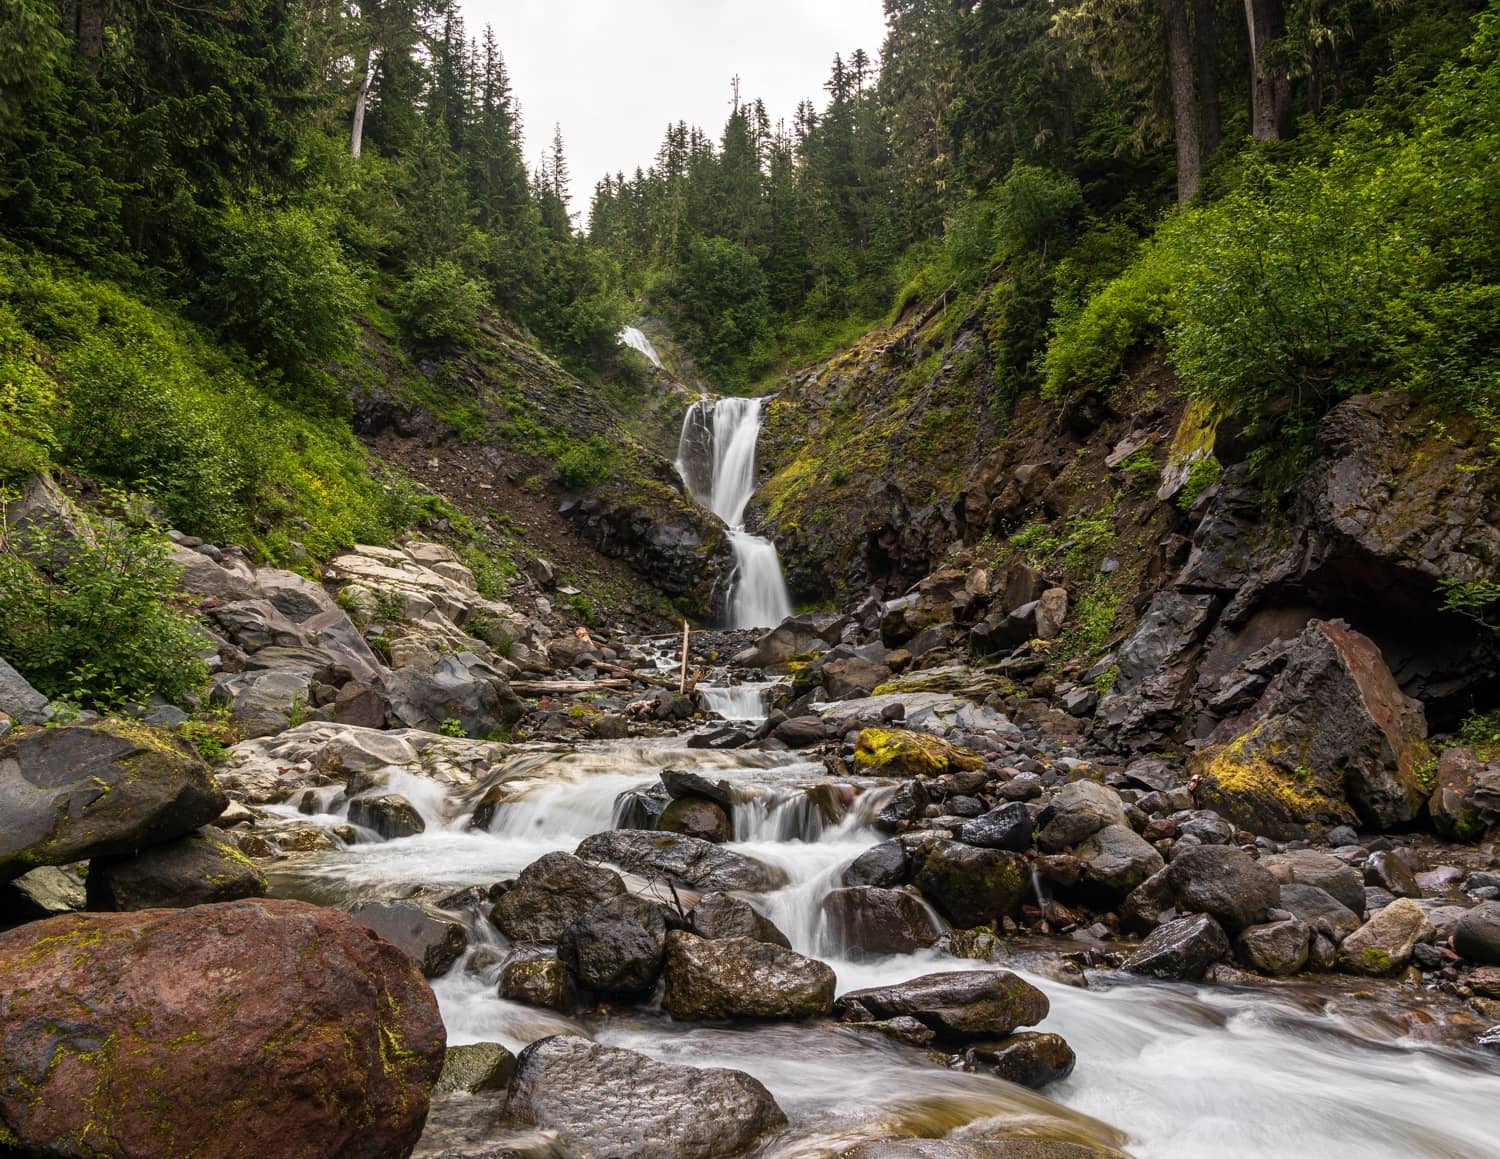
910,753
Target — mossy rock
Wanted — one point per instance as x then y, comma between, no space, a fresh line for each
479,1068
1259,782
898,752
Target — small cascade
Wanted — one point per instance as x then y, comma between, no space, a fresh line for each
636,340
746,702
716,459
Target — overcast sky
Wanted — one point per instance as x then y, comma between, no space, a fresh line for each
614,73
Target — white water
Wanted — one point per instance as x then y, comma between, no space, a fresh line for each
737,701
716,459
1322,1070
632,337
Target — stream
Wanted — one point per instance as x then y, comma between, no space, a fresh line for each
1164,1070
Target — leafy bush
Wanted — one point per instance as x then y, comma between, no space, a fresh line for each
587,464
440,303
93,620
724,306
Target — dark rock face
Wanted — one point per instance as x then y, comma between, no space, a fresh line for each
431,941
721,915
883,865
1008,827
865,921
203,868
1156,666
1028,1059
1182,950
617,947
1222,881
732,978
551,894
1476,936
606,1101
461,687
971,886
1466,803
965,1004
696,817
1307,867
391,815
685,860
543,982
298,1031
100,790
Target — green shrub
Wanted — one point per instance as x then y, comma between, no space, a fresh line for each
440,303
587,464
453,727
1481,729
94,620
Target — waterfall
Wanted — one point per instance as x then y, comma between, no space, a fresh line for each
633,338
716,459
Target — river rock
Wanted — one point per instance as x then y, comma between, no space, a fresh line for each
551,894
722,915
682,783
696,817
864,921
1007,827
1328,873
1225,882
19,700
964,1004
1466,803
390,814
1476,935
898,752
431,941
45,892
1028,1059
1383,945
481,1068
1320,910
1079,811
204,867
1116,860
684,860
617,947
604,1101
1276,948
908,803
881,865
1386,870
457,686
543,982
709,981
971,886
100,790
1182,950
1018,1148
297,1033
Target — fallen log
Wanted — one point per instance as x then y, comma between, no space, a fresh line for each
564,687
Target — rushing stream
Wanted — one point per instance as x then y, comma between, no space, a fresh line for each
1164,1070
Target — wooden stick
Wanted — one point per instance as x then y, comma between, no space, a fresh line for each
682,687
632,673
563,687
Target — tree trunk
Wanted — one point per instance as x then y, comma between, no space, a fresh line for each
357,134
1270,84
91,32
1180,70
1208,75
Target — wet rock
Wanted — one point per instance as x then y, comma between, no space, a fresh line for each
908,803
881,865
684,860
687,784
19,700
551,894
801,732
898,752
1080,810
543,982
1028,1059
1116,860
1155,665
729,978
195,870
791,639
1320,910
1476,935
1386,870
1329,874
1383,945
971,886
965,1004
1182,950
722,915
1225,882
481,1068
298,1034
391,815
720,739
617,947
1008,827
1276,948
1018,1148
605,1101
1466,803
864,921
99,790
696,817
1204,825
431,941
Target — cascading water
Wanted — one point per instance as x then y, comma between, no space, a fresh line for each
636,340
716,459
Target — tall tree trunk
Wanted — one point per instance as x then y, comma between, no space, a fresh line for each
1270,84
1180,71
1208,75
357,134
91,32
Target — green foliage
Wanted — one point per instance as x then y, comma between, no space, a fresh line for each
93,619
586,464
1481,729
1479,600
1140,471
1037,542
582,607
1091,623
210,734
723,307
438,303
452,726
1202,474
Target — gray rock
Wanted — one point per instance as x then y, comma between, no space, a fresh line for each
459,686
971,886
617,947
551,894
1476,935
792,638
881,865
1182,950
19,700
731,978
1117,860
722,915
964,1004
45,892
864,921
1007,827
1386,870
432,941
1320,910
1329,874
1028,1059
605,1101
1225,882
1384,944
1276,948
1155,665
682,783
696,817
481,1068
1080,810
199,869
684,860
390,814
263,703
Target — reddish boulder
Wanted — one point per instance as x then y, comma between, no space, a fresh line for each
247,1028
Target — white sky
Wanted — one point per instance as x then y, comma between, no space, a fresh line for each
614,73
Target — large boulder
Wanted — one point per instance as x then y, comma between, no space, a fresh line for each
605,1101
1308,867
431,940
726,978
882,865
1116,860
1027,1059
98,790
1466,803
1007,827
1476,935
971,886
388,814
1384,944
1219,880
297,1032
19,700
696,817
1080,810
722,915
688,861
551,894
1275,948
453,686
1333,740
1319,909
964,1004
864,921
792,638
204,867
617,947
900,752
1154,667
1182,950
